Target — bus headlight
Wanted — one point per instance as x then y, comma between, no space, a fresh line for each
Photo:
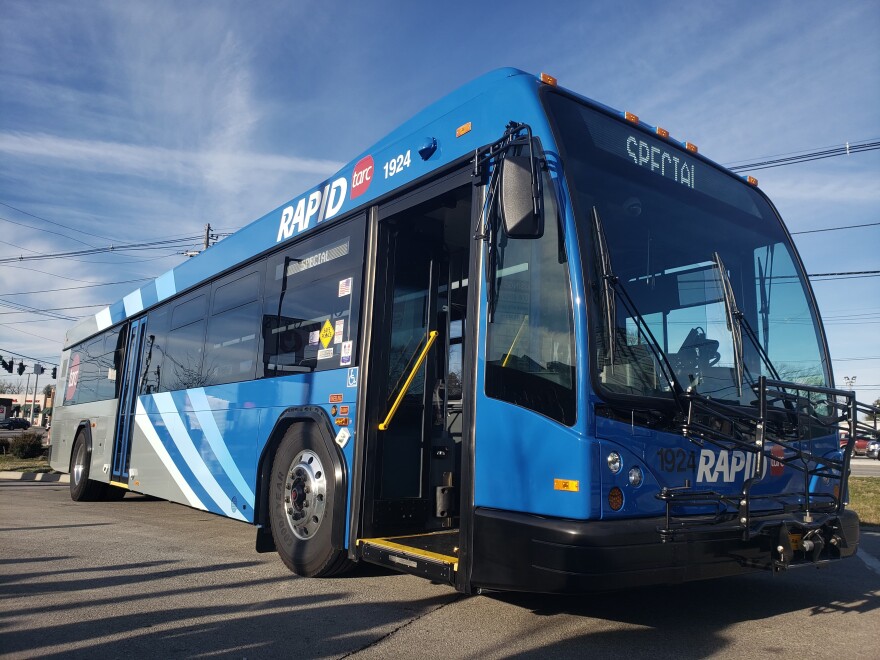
635,477
614,462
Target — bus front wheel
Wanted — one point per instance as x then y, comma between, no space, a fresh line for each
302,498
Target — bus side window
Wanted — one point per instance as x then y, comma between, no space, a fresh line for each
312,303
231,346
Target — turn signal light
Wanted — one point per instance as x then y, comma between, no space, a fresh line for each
463,129
752,180
615,498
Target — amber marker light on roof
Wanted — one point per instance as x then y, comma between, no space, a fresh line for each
662,132
631,117
547,79
690,146
752,180
463,129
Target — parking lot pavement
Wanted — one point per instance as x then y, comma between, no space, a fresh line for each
145,578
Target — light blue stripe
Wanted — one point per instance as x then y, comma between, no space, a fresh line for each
165,285
180,436
202,409
133,303
146,427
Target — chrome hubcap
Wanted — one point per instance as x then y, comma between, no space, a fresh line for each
79,463
305,493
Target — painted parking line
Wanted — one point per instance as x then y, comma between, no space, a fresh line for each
39,476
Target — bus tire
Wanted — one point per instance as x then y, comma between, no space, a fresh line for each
83,489
301,499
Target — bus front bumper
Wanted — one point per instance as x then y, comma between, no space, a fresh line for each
523,552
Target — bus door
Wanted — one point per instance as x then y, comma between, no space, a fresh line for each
128,391
416,387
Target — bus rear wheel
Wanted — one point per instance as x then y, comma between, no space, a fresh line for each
301,500
83,489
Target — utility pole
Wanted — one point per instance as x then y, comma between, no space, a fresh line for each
27,387
207,235
38,369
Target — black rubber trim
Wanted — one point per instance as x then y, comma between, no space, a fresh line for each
522,552
294,415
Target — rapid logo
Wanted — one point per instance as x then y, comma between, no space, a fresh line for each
725,466
322,204
362,176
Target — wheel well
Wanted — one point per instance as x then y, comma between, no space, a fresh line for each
84,427
301,415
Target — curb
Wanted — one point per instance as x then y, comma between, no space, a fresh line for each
36,476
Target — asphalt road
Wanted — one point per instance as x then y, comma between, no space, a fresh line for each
864,467
145,578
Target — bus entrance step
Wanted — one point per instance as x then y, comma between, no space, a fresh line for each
428,555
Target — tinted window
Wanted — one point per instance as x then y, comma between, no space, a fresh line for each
93,368
233,330
530,348
310,311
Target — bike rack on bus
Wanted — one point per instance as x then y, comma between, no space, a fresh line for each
788,421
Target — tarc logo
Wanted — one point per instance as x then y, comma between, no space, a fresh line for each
362,176
72,378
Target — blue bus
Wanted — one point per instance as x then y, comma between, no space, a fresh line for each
525,342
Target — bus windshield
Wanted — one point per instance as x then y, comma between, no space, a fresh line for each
670,224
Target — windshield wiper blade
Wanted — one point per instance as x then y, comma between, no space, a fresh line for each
604,257
610,285
742,323
734,320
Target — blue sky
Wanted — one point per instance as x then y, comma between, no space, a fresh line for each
139,121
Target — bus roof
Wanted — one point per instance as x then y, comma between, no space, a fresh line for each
468,118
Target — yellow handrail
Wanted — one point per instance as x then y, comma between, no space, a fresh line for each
515,339
412,374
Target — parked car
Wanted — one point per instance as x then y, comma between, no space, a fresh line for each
14,423
873,449
860,448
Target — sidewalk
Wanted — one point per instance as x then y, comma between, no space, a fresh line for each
36,476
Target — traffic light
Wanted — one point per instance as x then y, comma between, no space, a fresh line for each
20,369
39,370
6,365
54,373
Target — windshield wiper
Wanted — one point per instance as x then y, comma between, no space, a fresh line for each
612,285
736,323
734,319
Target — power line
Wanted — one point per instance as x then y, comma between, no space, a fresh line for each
816,231
841,150
71,288
26,357
57,224
150,245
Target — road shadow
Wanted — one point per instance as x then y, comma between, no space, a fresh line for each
694,619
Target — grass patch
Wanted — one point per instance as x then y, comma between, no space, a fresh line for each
9,463
864,498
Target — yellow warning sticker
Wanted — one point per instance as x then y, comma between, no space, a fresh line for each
327,333
567,484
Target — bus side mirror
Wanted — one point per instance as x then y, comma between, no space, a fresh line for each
517,197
